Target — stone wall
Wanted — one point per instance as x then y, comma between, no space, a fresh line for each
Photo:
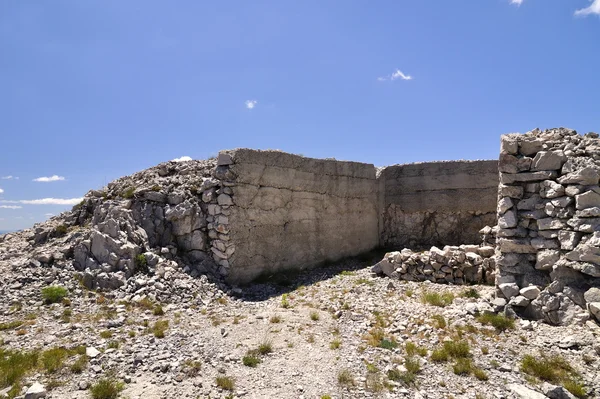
287,212
437,203
548,246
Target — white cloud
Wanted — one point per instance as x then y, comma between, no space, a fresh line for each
8,202
1,191
517,2
10,207
182,159
48,215
594,8
52,201
9,177
49,179
250,104
397,74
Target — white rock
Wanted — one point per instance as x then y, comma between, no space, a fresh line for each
35,391
91,352
530,292
525,393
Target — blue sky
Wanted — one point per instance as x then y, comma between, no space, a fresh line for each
94,90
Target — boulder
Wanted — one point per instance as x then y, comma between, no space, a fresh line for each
35,391
548,160
530,292
589,199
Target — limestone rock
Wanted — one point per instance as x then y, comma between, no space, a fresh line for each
589,199
530,292
35,391
548,160
525,393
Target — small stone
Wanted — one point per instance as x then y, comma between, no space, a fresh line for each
509,290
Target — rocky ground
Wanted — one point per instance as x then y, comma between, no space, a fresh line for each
339,331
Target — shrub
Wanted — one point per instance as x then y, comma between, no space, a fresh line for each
106,334
498,321
106,388
439,355
141,263
436,299
275,319
412,349
225,382
54,294
480,374
60,230
314,316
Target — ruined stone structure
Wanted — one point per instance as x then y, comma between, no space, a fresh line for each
287,211
549,225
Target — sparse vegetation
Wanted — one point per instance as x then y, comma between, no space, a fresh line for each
159,328
437,299
554,369
158,311
345,378
11,325
498,321
60,230
275,319
106,334
141,263
225,382
251,359
54,294
335,344
470,293
265,347
412,349
128,193
438,321
106,388
314,316
284,301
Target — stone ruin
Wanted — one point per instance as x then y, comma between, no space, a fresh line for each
250,213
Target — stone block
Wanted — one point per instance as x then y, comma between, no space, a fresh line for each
548,160
506,178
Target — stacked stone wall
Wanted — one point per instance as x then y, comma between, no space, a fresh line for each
548,240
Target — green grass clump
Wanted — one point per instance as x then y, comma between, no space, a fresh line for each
158,311
60,230
54,294
498,321
439,355
554,369
14,366
285,303
409,376
159,328
438,321
53,359
251,359
128,194
106,388
463,366
141,262
345,378
457,349
275,319
347,273
106,334
11,325
470,293
335,344
413,349
437,299
265,348
79,365
314,316
225,382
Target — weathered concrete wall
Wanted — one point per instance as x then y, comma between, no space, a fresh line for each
294,212
437,203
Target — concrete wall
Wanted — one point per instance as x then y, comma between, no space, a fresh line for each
437,203
293,212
